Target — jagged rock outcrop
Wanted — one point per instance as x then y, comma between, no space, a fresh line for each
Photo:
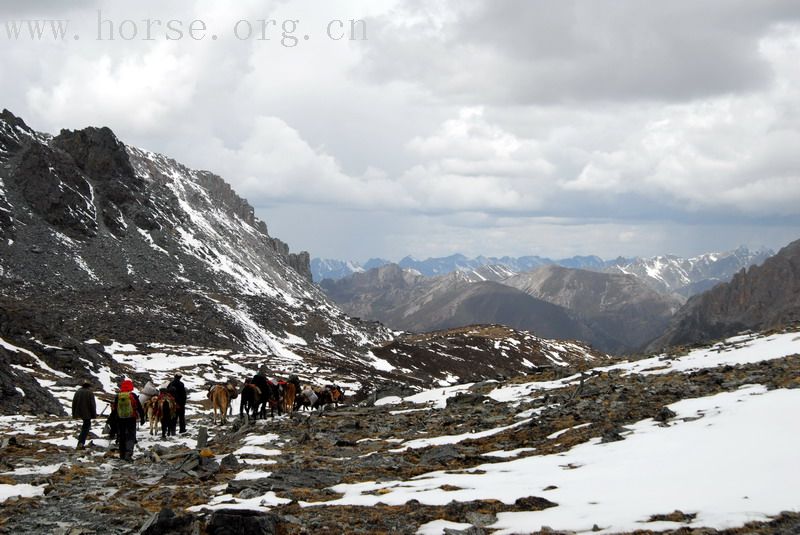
761,297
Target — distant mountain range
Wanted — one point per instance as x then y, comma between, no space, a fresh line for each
764,297
615,312
403,299
689,276
666,274
338,269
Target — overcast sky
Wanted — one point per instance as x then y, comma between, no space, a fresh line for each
493,127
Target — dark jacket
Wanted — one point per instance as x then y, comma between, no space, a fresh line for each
83,404
179,391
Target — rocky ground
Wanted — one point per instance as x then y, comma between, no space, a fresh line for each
275,476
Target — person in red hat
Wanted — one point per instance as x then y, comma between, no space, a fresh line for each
127,407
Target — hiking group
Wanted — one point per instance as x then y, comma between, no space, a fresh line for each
167,405
126,408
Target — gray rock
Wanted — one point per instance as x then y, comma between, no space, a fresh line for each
237,522
466,399
202,437
480,520
229,462
288,479
664,414
440,455
166,522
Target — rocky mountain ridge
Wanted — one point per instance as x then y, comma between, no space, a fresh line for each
403,299
761,297
619,305
115,232
666,274
614,312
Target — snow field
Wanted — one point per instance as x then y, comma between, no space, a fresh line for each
729,466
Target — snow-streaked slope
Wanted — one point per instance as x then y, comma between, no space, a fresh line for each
139,248
743,349
723,458
612,485
688,276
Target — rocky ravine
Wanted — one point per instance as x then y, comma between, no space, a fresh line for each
529,452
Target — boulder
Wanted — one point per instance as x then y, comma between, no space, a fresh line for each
238,522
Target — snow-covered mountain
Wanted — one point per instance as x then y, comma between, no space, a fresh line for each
689,276
339,269
666,273
763,297
94,228
326,268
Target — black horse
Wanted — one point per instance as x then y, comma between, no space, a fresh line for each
257,393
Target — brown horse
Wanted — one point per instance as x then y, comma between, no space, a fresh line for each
151,410
289,392
220,396
331,394
162,409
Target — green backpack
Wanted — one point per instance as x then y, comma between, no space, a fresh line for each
124,405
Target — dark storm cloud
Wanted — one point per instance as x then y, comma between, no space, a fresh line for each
533,51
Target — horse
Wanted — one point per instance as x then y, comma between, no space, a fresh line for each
289,392
220,396
257,393
331,394
251,399
271,394
168,411
305,398
151,411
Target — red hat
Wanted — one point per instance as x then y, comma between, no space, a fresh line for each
126,386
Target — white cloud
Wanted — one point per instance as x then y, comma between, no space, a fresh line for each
274,163
152,87
471,126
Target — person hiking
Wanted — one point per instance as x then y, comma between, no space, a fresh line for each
178,390
127,407
84,406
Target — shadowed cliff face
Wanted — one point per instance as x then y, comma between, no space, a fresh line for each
763,297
